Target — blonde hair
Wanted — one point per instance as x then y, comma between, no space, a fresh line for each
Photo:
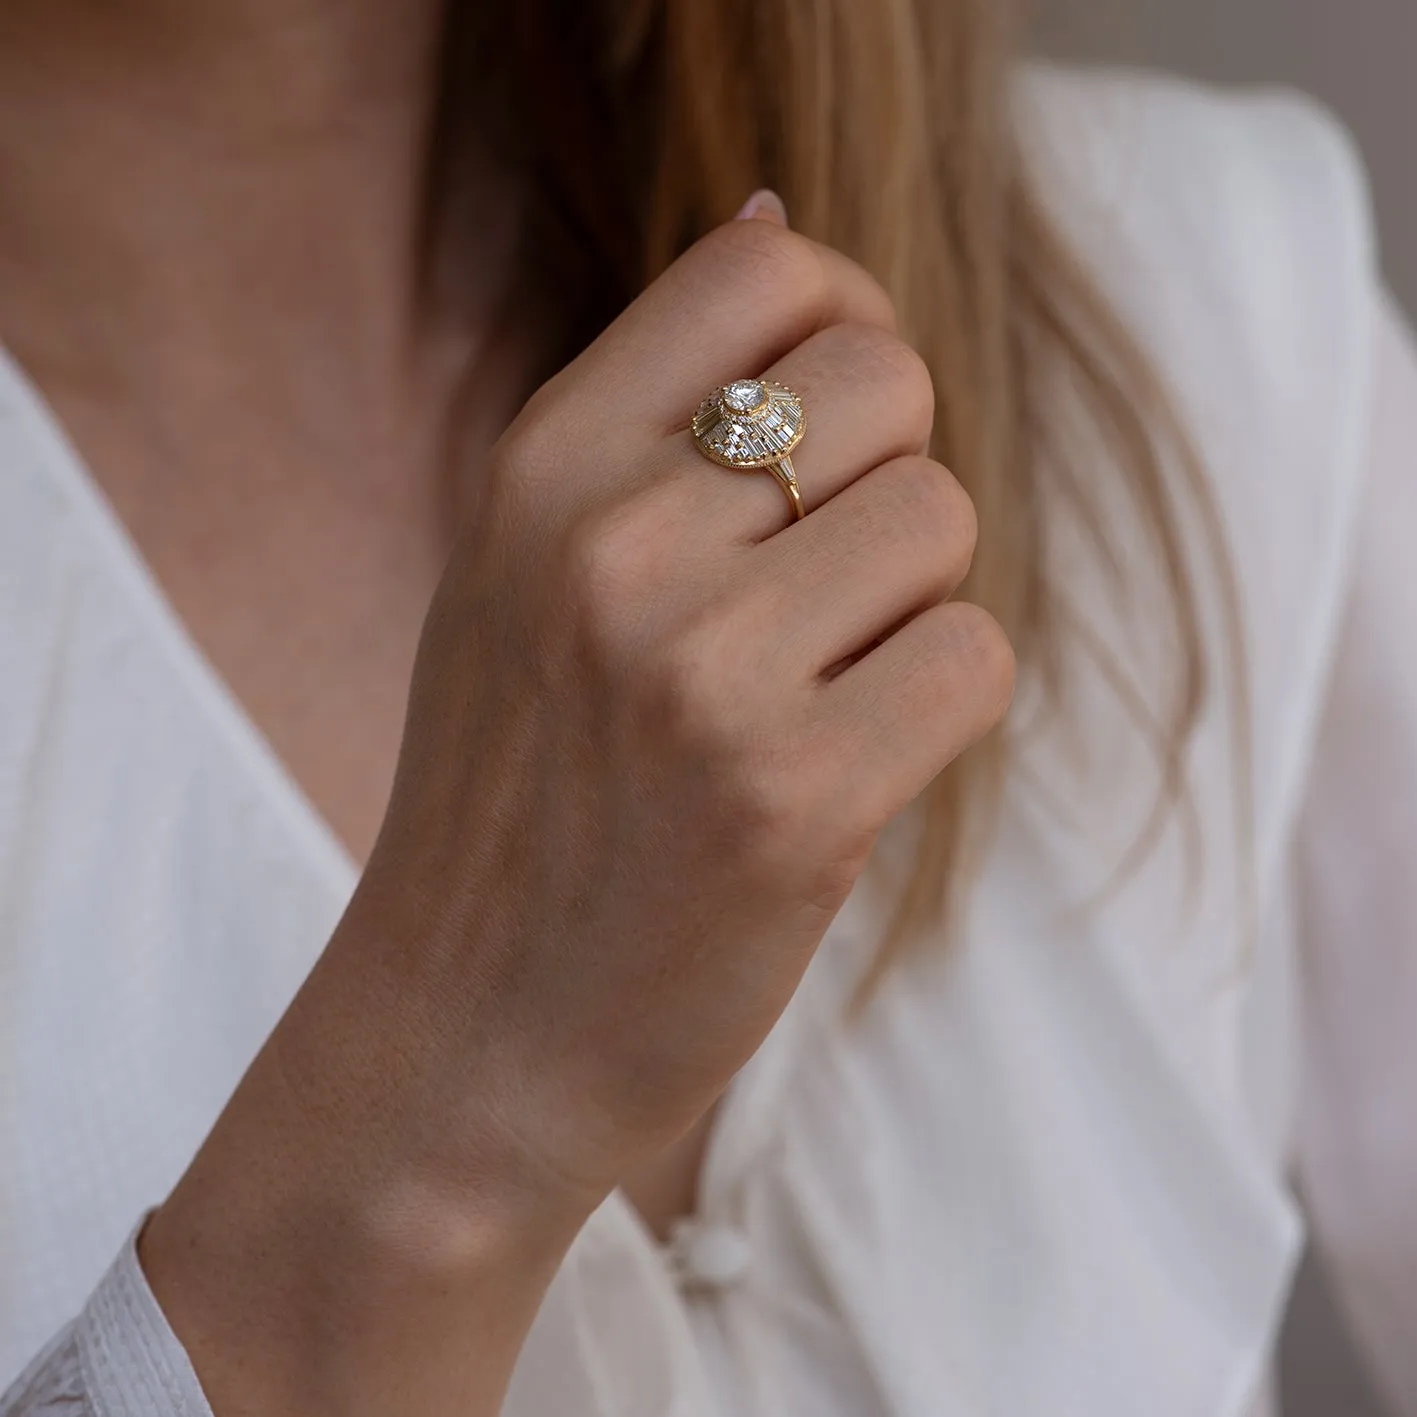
887,127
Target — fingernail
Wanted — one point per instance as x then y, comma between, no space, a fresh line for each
763,205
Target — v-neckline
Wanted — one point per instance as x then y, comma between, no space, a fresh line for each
212,696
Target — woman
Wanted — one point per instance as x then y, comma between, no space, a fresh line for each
532,1136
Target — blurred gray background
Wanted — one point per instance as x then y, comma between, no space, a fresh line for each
1358,56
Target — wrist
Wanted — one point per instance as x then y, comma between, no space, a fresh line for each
348,1305
347,1237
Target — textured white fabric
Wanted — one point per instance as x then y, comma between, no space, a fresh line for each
1046,1176
119,1358
1356,873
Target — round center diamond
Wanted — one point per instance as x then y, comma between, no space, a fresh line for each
745,395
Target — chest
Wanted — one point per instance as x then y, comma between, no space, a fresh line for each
304,585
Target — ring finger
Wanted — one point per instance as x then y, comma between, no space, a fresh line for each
868,399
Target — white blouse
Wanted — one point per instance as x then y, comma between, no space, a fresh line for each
1048,1175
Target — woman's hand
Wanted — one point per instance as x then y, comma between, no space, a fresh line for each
636,785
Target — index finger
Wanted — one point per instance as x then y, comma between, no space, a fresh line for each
733,304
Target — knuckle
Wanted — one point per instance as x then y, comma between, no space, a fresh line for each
703,694
924,502
981,652
532,442
914,390
883,361
791,280
589,561
926,491
781,264
779,814
947,510
699,673
604,560
800,830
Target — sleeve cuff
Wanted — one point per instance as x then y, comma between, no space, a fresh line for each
132,1362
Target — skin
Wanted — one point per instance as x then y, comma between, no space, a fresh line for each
653,729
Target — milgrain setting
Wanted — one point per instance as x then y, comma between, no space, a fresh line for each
752,424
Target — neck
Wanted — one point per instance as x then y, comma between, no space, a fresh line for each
245,176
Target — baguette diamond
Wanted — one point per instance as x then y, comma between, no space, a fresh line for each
750,423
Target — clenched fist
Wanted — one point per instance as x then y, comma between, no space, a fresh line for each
655,728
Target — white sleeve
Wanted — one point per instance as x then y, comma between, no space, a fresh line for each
1357,868
119,1358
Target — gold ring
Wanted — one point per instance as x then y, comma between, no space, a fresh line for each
754,424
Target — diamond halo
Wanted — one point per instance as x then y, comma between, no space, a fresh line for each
748,424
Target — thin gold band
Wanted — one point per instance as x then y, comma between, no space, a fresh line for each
787,479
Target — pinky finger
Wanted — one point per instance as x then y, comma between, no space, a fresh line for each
912,705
